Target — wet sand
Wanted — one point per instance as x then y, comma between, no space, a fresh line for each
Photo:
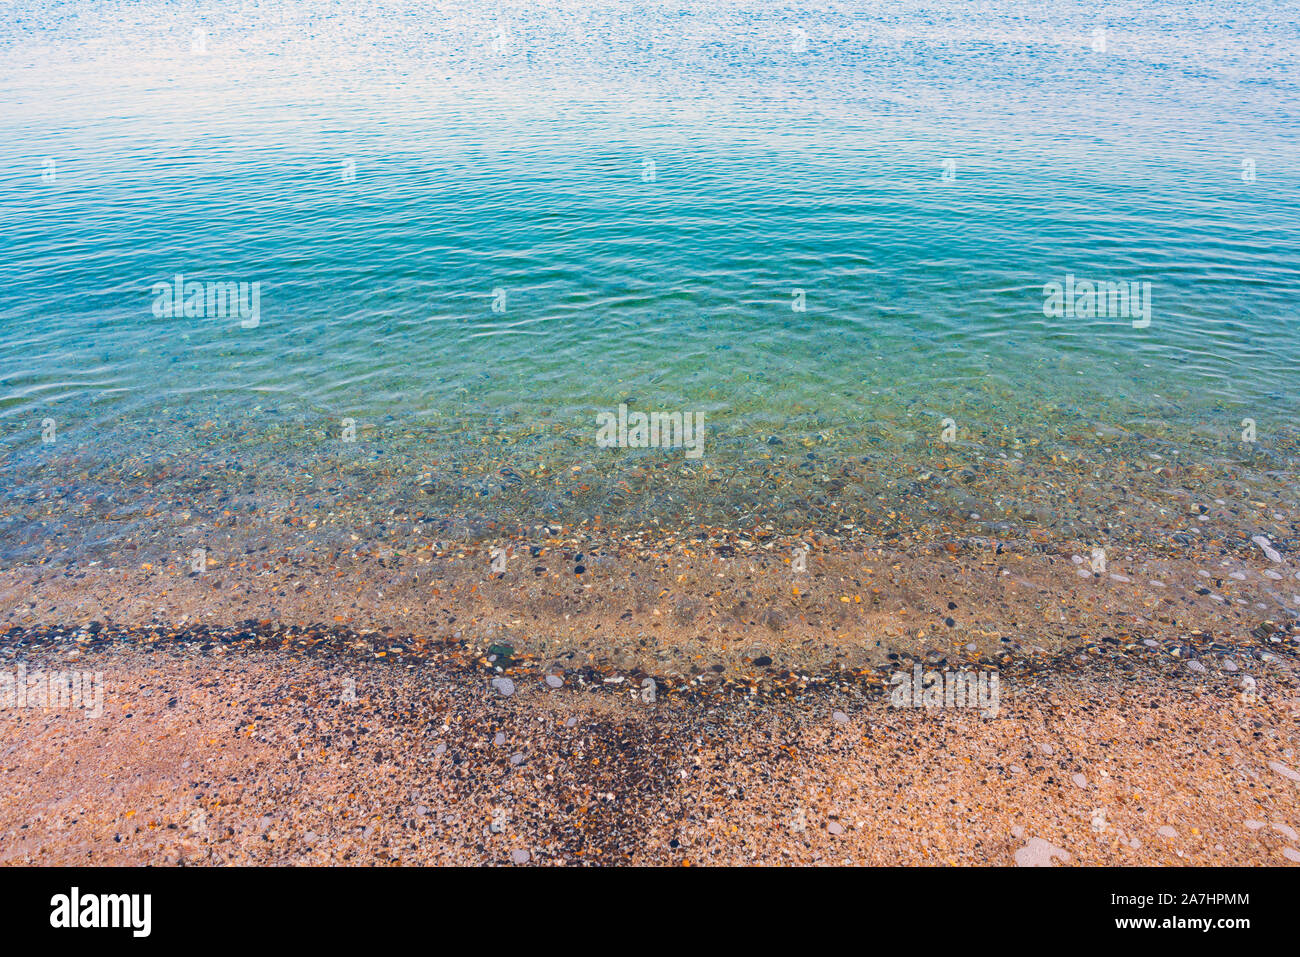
680,607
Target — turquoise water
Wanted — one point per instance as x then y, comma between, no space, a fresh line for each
648,188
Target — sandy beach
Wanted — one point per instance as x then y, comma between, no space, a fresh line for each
1152,726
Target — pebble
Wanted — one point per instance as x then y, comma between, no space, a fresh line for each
1079,779
839,717
504,685
1291,854
1166,831
1195,666
520,856
1286,829
500,738
554,681
835,827
1040,853
1286,772
1266,547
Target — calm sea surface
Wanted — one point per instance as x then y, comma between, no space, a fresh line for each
473,227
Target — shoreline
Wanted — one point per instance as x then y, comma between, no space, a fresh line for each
684,606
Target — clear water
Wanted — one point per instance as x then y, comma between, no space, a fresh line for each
507,147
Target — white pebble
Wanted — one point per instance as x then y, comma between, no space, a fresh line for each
1267,548
1285,771
504,685
1286,829
1040,853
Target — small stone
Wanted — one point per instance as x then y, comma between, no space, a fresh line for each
839,717
504,685
835,827
1266,547
1285,771
1288,831
1040,853
1079,779
554,681
1166,831
520,856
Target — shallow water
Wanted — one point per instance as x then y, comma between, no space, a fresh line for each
641,194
